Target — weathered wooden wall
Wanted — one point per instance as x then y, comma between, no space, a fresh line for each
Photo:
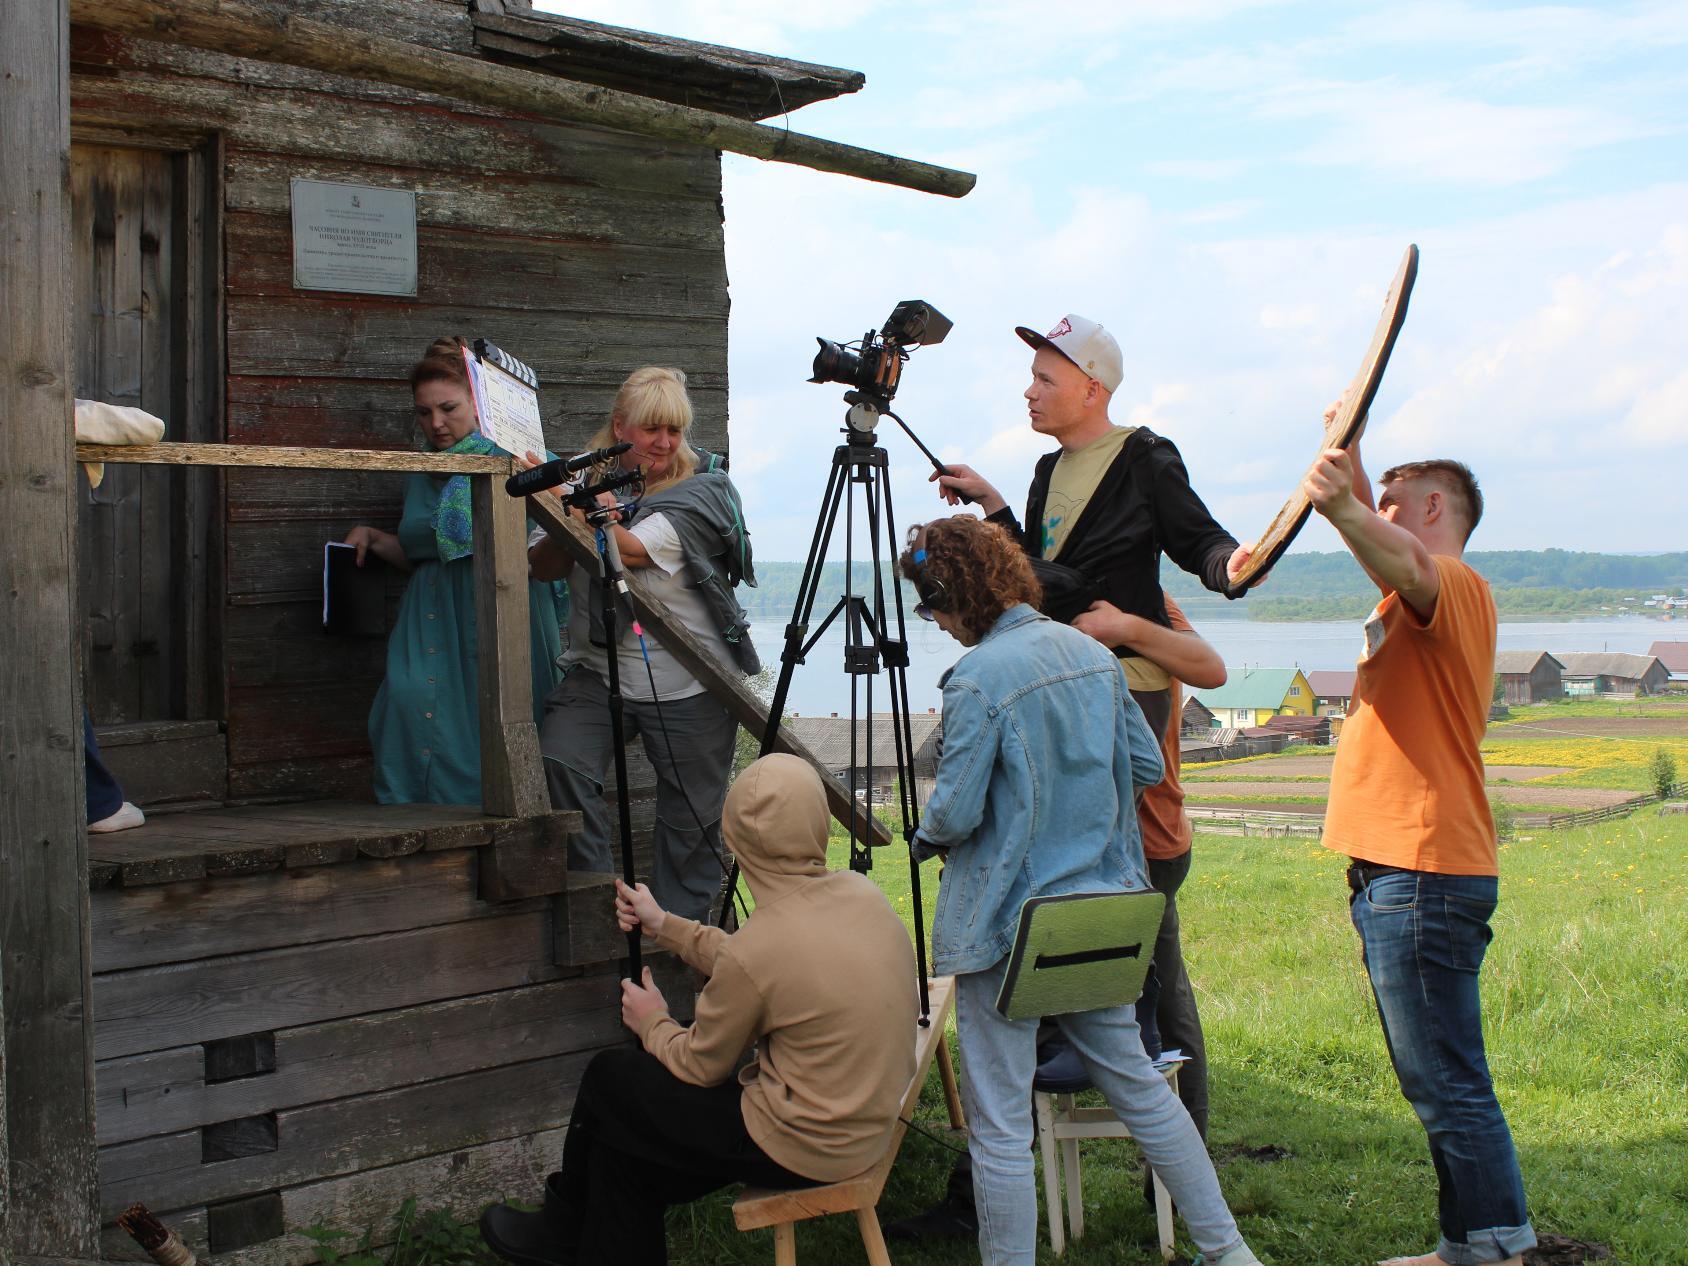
587,253
306,1014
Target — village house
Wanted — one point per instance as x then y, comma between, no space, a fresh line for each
291,1005
1674,656
1529,676
1612,673
1196,720
870,760
1333,690
1251,695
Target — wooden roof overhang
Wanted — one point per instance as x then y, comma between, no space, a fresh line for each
246,30
710,77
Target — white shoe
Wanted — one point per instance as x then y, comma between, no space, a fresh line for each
122,820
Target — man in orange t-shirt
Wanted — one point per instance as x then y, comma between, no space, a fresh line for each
1407,805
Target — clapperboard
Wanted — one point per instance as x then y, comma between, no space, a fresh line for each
506,399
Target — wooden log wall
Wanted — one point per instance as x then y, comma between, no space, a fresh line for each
300,1020
585,252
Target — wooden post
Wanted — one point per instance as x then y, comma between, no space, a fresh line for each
243,30
512,784
49,1187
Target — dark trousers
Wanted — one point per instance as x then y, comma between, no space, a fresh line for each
1176,1017
640,1139
104,796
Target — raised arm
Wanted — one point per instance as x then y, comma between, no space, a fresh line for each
1393,557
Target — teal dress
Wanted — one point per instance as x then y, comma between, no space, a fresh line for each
425,727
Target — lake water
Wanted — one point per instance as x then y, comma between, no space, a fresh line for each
820,686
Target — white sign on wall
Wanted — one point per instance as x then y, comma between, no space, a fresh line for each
353,238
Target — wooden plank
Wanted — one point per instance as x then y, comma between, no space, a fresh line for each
583,920
315,124
346,1135
512,783
285,723
146,926
376,413
156,1007
157,650
166,1092
284,645
277,456
343,778
231,27
331,336
48,1179
467,268
170,767
258,181
724,681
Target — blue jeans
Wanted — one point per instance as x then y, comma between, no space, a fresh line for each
998,1057
1423,937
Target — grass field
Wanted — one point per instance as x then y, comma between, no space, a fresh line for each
1585,990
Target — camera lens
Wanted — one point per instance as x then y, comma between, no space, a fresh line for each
834,364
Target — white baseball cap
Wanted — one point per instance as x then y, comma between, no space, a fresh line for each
1086,344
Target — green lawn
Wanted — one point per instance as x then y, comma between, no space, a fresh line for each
1586,987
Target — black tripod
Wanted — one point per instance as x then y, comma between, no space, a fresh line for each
874,631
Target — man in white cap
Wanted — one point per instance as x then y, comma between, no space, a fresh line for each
1107,502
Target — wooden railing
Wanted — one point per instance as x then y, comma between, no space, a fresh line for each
512,780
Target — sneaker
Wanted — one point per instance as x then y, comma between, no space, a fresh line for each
122,820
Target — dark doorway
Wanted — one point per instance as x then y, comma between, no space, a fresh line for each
143,234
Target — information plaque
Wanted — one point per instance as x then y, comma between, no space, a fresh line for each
353,238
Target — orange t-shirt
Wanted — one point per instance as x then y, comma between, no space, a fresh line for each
1407,786
1160,813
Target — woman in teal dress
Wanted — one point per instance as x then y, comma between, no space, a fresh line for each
425,726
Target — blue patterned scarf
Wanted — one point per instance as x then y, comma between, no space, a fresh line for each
454,528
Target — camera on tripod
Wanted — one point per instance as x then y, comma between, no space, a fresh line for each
874,366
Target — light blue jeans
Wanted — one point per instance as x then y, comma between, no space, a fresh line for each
998,1058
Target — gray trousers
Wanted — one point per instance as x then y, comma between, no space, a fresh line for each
1175,1013
691,748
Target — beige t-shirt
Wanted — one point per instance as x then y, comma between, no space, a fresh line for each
1071,485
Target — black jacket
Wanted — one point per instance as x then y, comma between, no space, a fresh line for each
1143,506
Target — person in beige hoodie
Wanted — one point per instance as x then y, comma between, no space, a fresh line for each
820,978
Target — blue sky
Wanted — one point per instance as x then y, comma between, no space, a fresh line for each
1228,186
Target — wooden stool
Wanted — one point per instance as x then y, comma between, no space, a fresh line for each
758,1207
1060,1125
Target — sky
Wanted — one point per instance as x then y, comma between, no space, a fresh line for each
1228,186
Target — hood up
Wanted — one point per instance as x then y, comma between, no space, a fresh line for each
776,822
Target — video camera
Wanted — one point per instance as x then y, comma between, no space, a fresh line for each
874,366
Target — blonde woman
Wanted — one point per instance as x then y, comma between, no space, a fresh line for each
689,541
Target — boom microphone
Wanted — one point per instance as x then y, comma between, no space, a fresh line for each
550,474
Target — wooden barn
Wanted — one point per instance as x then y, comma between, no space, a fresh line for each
1529,676
279,1003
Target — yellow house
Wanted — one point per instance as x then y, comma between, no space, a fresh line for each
1251,695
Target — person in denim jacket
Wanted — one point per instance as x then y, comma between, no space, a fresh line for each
1044,756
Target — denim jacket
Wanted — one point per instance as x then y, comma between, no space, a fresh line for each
1044,754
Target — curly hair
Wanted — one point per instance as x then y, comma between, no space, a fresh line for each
969,569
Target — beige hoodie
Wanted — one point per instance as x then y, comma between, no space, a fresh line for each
820,977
